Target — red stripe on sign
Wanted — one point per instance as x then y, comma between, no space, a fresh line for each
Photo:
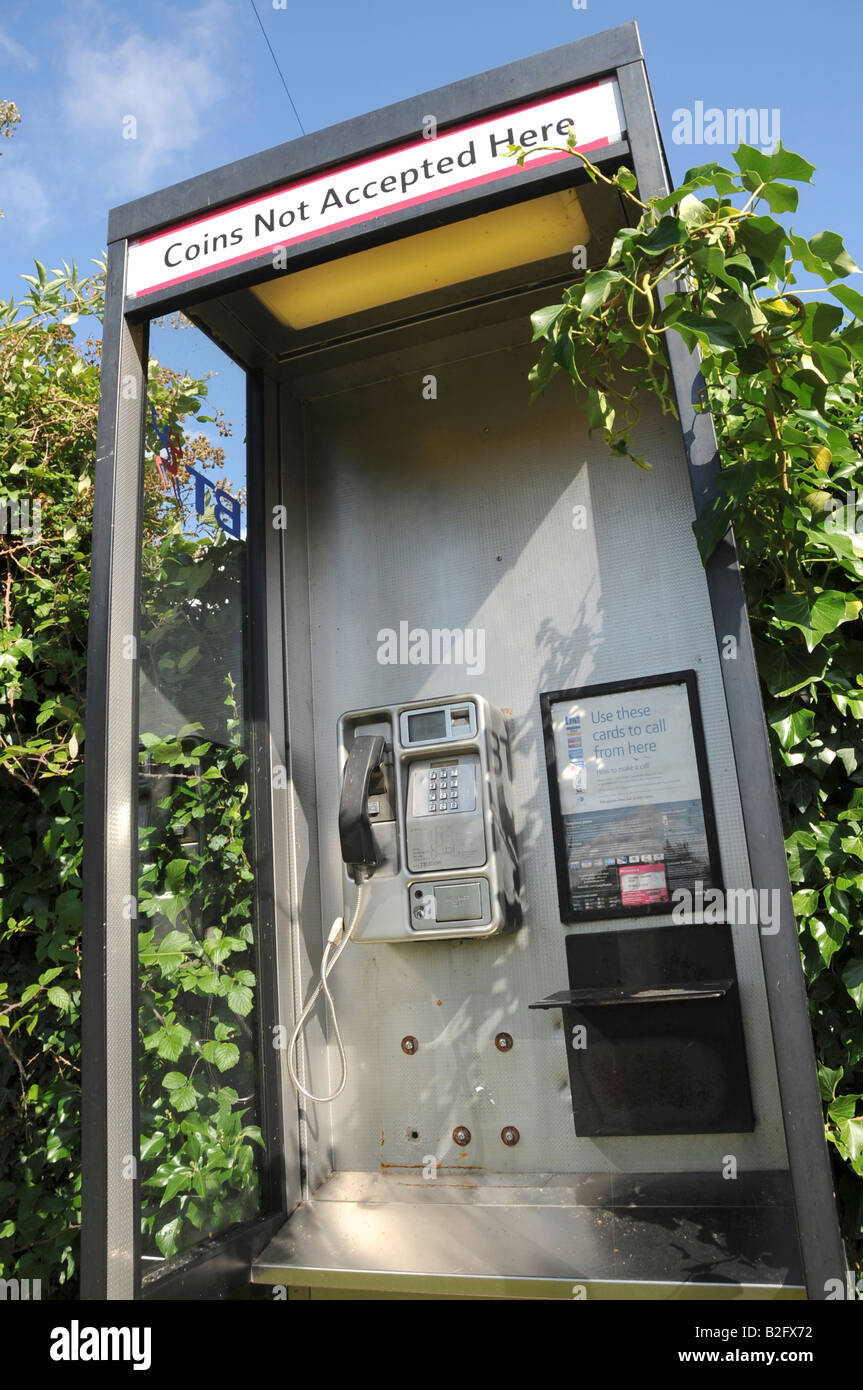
368,216
363,164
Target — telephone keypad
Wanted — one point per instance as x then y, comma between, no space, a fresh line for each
442,790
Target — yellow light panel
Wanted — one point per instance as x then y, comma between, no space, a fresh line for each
494,241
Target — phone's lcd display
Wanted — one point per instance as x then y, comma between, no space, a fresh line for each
423,727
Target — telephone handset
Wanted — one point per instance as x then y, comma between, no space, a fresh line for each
355,831
426,834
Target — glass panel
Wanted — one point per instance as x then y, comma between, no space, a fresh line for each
200,1139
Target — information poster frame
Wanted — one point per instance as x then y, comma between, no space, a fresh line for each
639,882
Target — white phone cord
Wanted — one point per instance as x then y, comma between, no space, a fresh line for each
327,965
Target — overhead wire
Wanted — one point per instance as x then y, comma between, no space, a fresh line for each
278,69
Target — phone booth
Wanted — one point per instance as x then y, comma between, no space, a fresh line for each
438,935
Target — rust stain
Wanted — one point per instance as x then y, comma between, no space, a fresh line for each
440,1001
382,1138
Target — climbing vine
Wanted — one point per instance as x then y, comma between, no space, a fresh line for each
715,263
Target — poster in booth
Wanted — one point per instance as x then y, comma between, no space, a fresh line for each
630,796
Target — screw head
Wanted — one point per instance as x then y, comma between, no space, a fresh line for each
461,1136
510,1135
409,1045
503,1042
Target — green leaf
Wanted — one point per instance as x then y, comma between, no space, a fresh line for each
175,874
693,213
240,999
852,979
596,288
167,1236
829,248
850,298
785,164
780,197
822,320
543,319
843,1108
793,727
718,333
666,234
711,525
828,933
173,1039
184,1097
828,1080
60,998
181,1181
815,618
224,1055
152,1145
764,239
749,159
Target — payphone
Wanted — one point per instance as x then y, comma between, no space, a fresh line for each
426,814
426,834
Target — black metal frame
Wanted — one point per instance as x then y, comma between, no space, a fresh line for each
616,52
553,697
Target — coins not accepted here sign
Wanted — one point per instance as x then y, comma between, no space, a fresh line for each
398,178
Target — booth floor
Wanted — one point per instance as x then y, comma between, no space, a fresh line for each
600,1235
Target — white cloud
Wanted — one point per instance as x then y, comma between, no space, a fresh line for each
27,209
167,85
12,51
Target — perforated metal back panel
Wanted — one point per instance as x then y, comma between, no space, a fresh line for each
461,512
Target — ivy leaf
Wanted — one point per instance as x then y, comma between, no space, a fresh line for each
828,1080
542,320
711,525
842,1108
852,979
815,618
151,1145
167,1236
596,289
181,1181
851,1143
828,934
792,728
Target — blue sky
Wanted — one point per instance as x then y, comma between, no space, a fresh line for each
200,81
